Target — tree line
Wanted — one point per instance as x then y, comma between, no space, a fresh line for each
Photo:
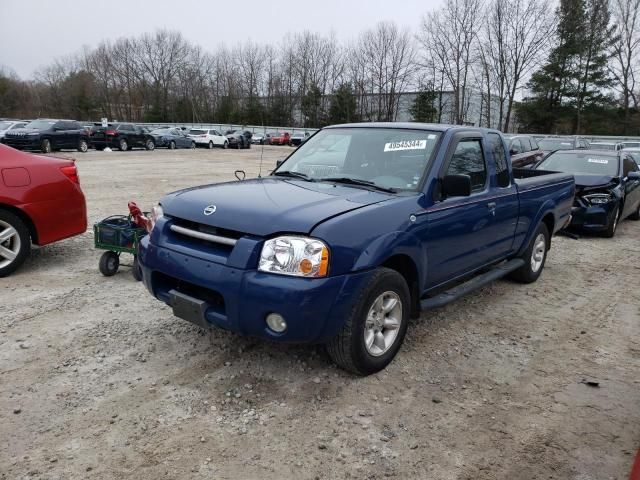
536,66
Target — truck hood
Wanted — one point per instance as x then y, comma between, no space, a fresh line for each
268,205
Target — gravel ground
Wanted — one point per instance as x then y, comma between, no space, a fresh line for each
99,380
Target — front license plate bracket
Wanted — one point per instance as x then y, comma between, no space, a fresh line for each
189,308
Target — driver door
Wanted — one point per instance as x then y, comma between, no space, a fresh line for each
461,230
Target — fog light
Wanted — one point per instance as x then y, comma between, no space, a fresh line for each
276,322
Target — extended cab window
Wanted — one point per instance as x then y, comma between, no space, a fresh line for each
468,159
500,159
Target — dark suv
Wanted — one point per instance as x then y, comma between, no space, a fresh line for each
524,150
123,136
48,135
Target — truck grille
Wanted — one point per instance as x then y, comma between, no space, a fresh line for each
223,239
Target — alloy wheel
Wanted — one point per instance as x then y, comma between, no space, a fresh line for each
538,252
9,244
383,323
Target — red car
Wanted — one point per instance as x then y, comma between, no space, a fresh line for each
279,138
40,202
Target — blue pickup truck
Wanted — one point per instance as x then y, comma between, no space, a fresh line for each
352,235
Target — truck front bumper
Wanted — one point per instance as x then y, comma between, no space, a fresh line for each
240,300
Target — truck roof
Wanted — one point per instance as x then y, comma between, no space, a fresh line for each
438,127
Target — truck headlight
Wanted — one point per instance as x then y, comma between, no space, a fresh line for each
297,256
156,214
598,198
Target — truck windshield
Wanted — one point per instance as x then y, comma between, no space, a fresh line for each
386,157
590,163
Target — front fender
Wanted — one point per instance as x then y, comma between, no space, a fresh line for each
389,245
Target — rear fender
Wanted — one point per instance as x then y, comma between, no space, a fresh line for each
547,207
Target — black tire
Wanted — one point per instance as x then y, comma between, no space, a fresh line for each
136,271
210,145
613,224
150,145
635,215
123,146
225,145
172,145
109,263
19,244
528,273
347,349
248,144
83,146
45,146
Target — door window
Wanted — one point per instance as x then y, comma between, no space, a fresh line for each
628,165
500,158
526,144
534,144
515,147
468,159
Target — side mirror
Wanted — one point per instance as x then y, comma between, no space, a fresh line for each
278,163
633,175
456,186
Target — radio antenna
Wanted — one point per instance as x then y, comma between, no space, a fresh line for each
261,150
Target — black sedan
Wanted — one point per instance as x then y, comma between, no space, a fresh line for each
607,187
238,139
172,138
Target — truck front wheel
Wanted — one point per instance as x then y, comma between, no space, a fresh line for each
376,326
534,257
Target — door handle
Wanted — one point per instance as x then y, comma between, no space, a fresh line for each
492,207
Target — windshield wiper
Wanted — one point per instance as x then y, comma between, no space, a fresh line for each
289,173
358,181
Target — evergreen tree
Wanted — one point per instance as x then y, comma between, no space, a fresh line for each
311,107
344,107
423,109
572,81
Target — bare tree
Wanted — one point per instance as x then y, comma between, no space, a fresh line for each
388,63
448,36
625,63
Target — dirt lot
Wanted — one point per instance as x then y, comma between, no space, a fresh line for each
99,380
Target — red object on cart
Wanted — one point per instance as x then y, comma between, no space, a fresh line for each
138,217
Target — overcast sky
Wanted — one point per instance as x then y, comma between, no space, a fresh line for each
34,32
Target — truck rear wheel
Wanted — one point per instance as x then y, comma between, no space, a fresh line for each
376,326
534,256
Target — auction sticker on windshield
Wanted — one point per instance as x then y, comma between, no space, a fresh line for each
598,160
405,145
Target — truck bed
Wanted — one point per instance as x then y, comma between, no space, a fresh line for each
538,188
527,179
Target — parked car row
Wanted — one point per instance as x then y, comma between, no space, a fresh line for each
50,135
